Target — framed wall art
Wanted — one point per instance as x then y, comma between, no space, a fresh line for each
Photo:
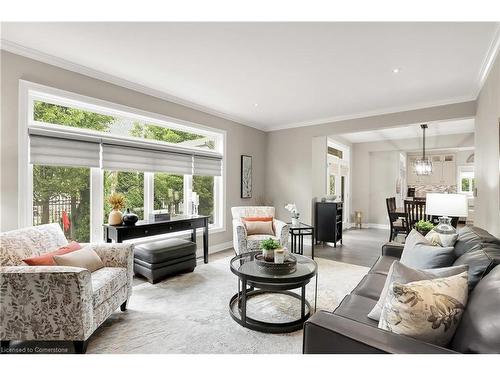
246,176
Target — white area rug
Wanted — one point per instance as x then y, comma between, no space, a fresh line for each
189,313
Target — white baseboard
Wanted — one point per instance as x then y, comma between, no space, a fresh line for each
220,246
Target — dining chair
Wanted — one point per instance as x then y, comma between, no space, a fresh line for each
397,225
421,199
410,193
414,212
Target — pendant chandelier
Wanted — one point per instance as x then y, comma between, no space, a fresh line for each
423,166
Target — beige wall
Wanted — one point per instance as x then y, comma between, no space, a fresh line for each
289,158
382,175
372,159
240,139
487,203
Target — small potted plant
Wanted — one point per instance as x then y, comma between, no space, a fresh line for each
424,227
117,201
268,246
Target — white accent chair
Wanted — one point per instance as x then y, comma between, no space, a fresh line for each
58,303
242,242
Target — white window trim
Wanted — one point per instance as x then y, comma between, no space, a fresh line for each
461,169
29,91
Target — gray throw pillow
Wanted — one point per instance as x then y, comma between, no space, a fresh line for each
418,252
402,274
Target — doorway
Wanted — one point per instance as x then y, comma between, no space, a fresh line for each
338,172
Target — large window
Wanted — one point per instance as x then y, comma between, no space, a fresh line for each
52,114
466,180
62,195
83,149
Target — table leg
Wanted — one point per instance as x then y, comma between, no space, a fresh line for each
193,235
205,242
244,300
239,293
106,237
301,241
303,303
316,293
312,244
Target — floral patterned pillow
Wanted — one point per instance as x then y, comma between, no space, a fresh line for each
427,310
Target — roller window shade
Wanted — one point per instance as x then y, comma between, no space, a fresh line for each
120,158
203,166
55,151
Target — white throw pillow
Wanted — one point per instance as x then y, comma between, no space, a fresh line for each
402,274
427,310
259,227
84,258
441,239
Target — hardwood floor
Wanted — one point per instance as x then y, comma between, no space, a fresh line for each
360,246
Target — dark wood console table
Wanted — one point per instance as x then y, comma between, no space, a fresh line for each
145,228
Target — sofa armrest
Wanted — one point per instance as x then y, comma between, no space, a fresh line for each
392,249
281,228
117,255
239,237
45,303
327,333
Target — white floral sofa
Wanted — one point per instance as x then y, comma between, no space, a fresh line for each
242,242
55,303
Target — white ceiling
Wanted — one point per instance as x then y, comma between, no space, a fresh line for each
276,75
413,131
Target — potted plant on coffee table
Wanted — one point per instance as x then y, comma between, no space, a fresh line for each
424,226
268,246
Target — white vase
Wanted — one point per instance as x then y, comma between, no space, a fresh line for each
279,255
295,222
115,217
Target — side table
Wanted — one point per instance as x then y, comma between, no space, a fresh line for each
297,233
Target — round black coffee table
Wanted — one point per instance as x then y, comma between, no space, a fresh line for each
254,281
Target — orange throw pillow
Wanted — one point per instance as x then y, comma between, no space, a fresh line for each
47,259
266,218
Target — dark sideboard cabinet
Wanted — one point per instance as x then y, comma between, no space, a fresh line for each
328,222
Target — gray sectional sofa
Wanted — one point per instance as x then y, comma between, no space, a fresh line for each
349,330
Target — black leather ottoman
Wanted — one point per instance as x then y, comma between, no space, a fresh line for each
157,260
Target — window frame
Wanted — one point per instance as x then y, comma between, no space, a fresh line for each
465,169
30,92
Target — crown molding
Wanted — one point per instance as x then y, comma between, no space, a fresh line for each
46,58
385,111
488,60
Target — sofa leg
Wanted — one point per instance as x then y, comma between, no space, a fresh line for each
123,306
81,346
4,344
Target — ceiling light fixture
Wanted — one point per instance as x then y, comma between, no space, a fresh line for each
423,166
395,70
256,105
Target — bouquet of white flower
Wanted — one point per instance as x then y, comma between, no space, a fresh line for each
293,209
